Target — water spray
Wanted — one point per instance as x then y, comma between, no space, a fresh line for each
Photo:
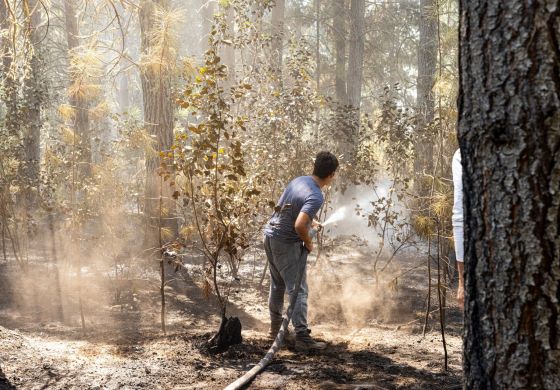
338,215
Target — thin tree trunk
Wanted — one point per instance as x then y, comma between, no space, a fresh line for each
429,296
427,61
441,301
509,121
340,33
161,261
77,101
54,259
355,70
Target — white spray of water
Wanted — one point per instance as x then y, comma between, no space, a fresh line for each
338,215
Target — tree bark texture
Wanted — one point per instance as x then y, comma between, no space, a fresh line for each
340,34
34,92
77,101
509,134
355,67
9,79
158,119
427,63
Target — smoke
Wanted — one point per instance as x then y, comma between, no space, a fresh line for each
343,286
349,210
64,264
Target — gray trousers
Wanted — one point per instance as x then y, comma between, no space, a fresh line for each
283,261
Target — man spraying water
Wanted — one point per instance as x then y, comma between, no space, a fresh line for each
288,227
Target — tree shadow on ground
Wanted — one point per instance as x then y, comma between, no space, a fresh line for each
133,321
339,367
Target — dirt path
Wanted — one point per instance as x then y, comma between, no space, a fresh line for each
124,348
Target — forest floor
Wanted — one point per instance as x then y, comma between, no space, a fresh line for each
374,334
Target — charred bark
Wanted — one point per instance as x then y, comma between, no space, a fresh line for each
509,133
229,334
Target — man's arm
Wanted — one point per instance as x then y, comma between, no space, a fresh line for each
302,229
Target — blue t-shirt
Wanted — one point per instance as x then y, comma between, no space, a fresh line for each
303,194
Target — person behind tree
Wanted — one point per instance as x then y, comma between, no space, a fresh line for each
457,221
284,233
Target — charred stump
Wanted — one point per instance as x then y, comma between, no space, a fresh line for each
229,334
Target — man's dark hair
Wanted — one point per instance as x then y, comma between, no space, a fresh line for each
325,164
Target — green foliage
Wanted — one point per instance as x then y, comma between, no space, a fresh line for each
223,198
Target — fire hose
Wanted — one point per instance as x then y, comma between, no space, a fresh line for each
265,361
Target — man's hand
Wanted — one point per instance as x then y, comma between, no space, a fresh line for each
302,229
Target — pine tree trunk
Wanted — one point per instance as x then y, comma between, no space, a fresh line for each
34,97
77,101
340,33
158,119
355,69
427,61
9,79
509,133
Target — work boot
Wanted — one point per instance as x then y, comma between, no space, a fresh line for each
289,338
305,343
274,328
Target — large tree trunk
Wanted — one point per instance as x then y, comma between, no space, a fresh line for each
355,69
158,119
509,133
339,27
427,62
8,74
77,99
34,96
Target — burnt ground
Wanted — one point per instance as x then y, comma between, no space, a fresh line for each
374,331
